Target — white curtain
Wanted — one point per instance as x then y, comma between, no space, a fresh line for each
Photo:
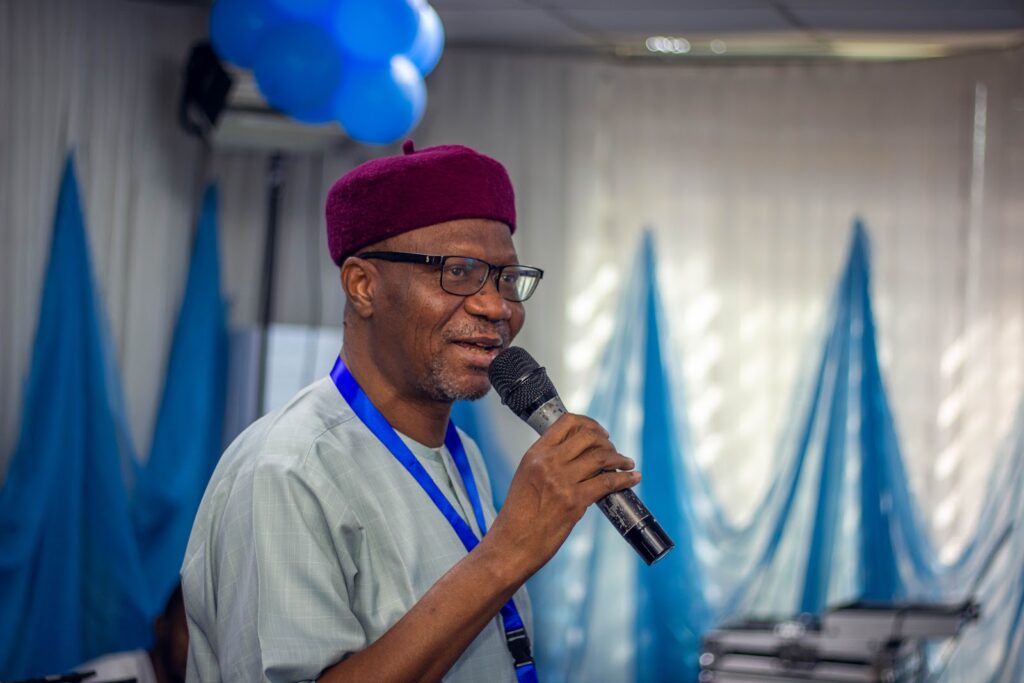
102,78
749,175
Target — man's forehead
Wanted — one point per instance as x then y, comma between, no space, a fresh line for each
482,238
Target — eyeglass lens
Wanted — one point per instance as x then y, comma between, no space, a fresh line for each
466,276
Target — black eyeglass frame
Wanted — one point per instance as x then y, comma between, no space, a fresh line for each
430,260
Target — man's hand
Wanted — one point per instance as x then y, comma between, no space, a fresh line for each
570,467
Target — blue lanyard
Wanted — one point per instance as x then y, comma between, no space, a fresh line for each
515,632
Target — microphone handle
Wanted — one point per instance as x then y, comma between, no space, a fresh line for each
623,509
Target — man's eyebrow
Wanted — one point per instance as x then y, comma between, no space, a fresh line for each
510,259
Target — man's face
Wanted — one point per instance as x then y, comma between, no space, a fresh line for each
433,344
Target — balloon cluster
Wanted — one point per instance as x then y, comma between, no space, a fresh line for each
358,62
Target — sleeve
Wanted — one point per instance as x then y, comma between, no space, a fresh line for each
305,543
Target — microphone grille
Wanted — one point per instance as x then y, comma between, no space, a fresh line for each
520,382
510,367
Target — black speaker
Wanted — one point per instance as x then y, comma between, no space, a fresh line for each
205,91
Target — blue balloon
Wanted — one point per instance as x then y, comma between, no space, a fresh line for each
298,69
314,115
238,26
376,30
379,103
426,49
318,11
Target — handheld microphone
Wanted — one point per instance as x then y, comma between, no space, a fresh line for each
525,388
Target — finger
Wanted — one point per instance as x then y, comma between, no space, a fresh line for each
587,437
597,461
570,424
584,422
600,486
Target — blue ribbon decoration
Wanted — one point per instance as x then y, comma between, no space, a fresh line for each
515,632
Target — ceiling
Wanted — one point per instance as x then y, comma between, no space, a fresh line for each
730,29
739,28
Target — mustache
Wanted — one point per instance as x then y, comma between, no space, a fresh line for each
499,330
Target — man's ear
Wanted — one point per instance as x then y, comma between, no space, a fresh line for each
359,280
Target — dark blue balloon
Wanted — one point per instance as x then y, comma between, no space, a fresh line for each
426,49
238,26
376,30
314,115
318,11
298,68
379,103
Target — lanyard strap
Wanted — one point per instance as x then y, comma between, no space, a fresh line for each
515,633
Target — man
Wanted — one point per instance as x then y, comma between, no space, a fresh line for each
340,537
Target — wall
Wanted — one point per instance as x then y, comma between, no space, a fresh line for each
750,176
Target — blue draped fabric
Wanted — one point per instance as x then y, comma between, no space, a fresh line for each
84,566
671,610
837,523
71,582
818,571
190,422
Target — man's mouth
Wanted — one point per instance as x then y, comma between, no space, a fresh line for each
480,344
484,348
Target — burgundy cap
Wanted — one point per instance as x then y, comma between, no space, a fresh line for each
388,196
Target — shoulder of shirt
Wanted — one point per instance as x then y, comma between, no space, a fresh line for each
292,433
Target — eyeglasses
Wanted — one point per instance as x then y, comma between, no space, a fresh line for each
465,276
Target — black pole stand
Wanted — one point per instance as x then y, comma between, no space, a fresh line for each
275,187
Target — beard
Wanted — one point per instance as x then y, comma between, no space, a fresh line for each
442,383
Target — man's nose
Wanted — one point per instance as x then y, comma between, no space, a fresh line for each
488,302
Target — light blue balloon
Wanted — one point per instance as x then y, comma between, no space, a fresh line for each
380,103
376,30
426,49
298,69
238,26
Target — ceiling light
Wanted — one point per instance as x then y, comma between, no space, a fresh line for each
717,46
668,45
